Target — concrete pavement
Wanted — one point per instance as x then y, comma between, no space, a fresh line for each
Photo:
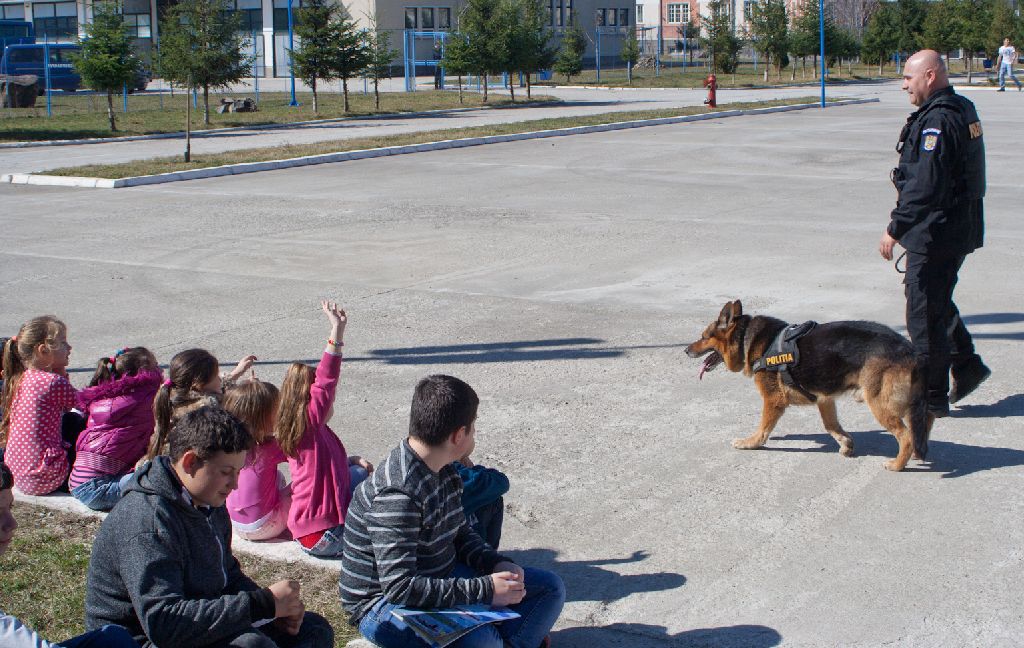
561,279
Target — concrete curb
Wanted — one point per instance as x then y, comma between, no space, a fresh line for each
326,158
261,127
278,550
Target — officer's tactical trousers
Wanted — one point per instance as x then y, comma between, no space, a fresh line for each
938,334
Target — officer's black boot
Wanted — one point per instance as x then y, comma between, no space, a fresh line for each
967,377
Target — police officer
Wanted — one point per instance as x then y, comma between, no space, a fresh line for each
938,220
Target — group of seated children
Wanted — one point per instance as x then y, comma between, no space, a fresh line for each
191,461
129,411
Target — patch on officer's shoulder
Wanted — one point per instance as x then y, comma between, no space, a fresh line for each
930,139
975,129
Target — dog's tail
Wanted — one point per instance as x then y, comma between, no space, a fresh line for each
919,428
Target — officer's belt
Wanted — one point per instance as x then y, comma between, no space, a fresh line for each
783,354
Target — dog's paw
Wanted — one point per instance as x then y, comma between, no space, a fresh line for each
846,451
745,444
893,465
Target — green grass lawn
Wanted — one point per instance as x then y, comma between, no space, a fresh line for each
173,164
673,75
42,576
77,116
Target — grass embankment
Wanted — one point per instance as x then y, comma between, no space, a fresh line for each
43,576
672,75
80,116
175,164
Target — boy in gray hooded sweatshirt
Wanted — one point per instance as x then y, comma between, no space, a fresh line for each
162,564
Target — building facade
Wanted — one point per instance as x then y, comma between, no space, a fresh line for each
265,22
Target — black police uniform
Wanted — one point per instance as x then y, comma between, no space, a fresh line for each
939,220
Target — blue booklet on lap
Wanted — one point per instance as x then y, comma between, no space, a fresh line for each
441,627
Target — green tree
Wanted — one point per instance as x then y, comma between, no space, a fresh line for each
538,51
201,46
974,18
938,30
351,51
911,25
1005,24
378,61
570,57
107,61
881,39
481,24
630,54
719,39
317,30
805,38
456,59
510,45
769,28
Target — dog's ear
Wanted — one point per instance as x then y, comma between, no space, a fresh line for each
730,312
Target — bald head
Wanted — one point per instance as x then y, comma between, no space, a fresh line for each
923,75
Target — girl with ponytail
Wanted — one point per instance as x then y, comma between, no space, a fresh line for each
194,381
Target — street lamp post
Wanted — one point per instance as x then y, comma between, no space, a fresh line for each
291,48
821,43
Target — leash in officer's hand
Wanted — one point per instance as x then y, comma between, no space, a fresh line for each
897,263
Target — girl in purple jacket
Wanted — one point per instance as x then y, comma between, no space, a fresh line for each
119,408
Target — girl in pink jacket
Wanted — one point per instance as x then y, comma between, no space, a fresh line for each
258,507
36,394
119,408
323,475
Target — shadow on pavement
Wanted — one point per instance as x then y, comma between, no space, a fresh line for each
950,459
1009,406
633,634
587,580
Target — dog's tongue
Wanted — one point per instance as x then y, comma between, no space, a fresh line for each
704,367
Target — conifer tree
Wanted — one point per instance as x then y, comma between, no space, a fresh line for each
107,61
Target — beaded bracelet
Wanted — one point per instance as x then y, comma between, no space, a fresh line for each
332,343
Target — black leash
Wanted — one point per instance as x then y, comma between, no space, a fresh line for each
897,263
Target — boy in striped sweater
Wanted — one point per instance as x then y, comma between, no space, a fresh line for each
407,542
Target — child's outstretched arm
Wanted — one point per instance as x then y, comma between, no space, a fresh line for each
321,394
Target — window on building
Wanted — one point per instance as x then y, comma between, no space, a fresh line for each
599,17
748,6
251,12
444,18
138,25
55,20
558,13
12,12
675,13
281,14
639,13
686,13
426,17
410,17
623,17
570,17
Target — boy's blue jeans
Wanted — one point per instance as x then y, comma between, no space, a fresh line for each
1004,70
545,595
109,636
102,493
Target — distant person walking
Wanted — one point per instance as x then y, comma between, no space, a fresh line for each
1007,57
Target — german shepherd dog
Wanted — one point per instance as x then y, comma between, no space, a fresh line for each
834,358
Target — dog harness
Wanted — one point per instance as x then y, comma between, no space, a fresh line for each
783,354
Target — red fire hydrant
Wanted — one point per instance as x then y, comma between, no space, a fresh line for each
711,83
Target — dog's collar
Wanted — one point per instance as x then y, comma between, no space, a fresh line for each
744,343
